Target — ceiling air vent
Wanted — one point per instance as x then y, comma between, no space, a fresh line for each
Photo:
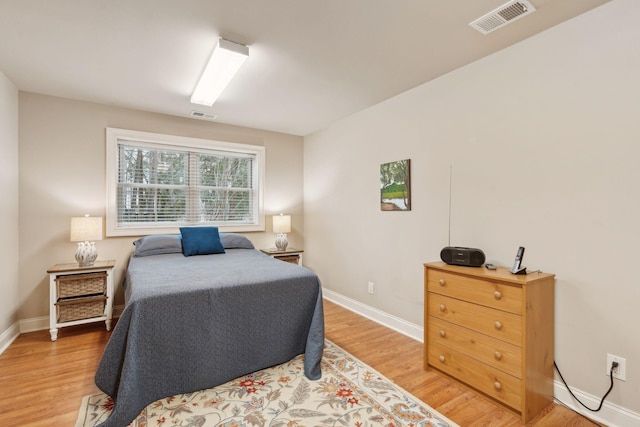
203,116
505,14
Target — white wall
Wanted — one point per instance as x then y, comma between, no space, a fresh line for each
8,210
545,143
62,174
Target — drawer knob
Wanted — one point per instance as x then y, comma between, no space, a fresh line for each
498,325
497,294
497,385
497,355
443,308
442,359
443,333
441,281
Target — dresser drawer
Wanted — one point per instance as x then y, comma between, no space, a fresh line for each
498,354
495,323
491,294
493,382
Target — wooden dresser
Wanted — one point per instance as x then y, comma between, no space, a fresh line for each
493,331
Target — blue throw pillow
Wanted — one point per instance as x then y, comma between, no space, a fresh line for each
201,241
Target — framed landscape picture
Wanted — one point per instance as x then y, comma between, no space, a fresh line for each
395,186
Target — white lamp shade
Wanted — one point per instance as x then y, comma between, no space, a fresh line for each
282,224
86,228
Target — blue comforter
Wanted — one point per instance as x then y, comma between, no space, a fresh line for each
191,323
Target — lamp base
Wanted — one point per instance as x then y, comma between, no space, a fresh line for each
281,242
86,254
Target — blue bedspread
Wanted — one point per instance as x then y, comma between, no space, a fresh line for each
192,323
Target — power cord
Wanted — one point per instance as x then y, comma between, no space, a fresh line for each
614,365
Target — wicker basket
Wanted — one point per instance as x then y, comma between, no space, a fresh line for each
81,284
80,308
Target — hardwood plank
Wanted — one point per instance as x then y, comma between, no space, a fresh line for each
42,382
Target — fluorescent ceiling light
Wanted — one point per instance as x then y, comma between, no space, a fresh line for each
224,63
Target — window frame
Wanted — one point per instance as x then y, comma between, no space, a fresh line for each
153,140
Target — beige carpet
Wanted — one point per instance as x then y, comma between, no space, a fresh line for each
349,393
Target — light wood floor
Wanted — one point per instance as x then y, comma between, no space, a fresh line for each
42,382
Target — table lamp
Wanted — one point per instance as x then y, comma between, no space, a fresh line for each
84,230
281,226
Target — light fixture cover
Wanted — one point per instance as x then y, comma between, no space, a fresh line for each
224,63
282,224
86,228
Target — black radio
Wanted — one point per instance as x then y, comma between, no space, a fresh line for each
468,257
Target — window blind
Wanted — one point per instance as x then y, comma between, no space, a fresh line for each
162,185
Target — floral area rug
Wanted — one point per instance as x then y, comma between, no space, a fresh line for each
349,393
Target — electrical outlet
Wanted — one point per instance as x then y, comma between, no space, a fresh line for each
619,372
370,288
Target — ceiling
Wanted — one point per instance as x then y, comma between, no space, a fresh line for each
310,62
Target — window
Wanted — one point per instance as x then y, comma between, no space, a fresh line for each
158,183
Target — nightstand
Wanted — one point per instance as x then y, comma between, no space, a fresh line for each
80,295
291,255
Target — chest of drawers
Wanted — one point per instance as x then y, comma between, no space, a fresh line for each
492,331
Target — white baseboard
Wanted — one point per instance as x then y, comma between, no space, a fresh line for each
397,324
610,414
8,336
42,323
34,324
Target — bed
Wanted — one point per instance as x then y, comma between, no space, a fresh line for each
194,322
